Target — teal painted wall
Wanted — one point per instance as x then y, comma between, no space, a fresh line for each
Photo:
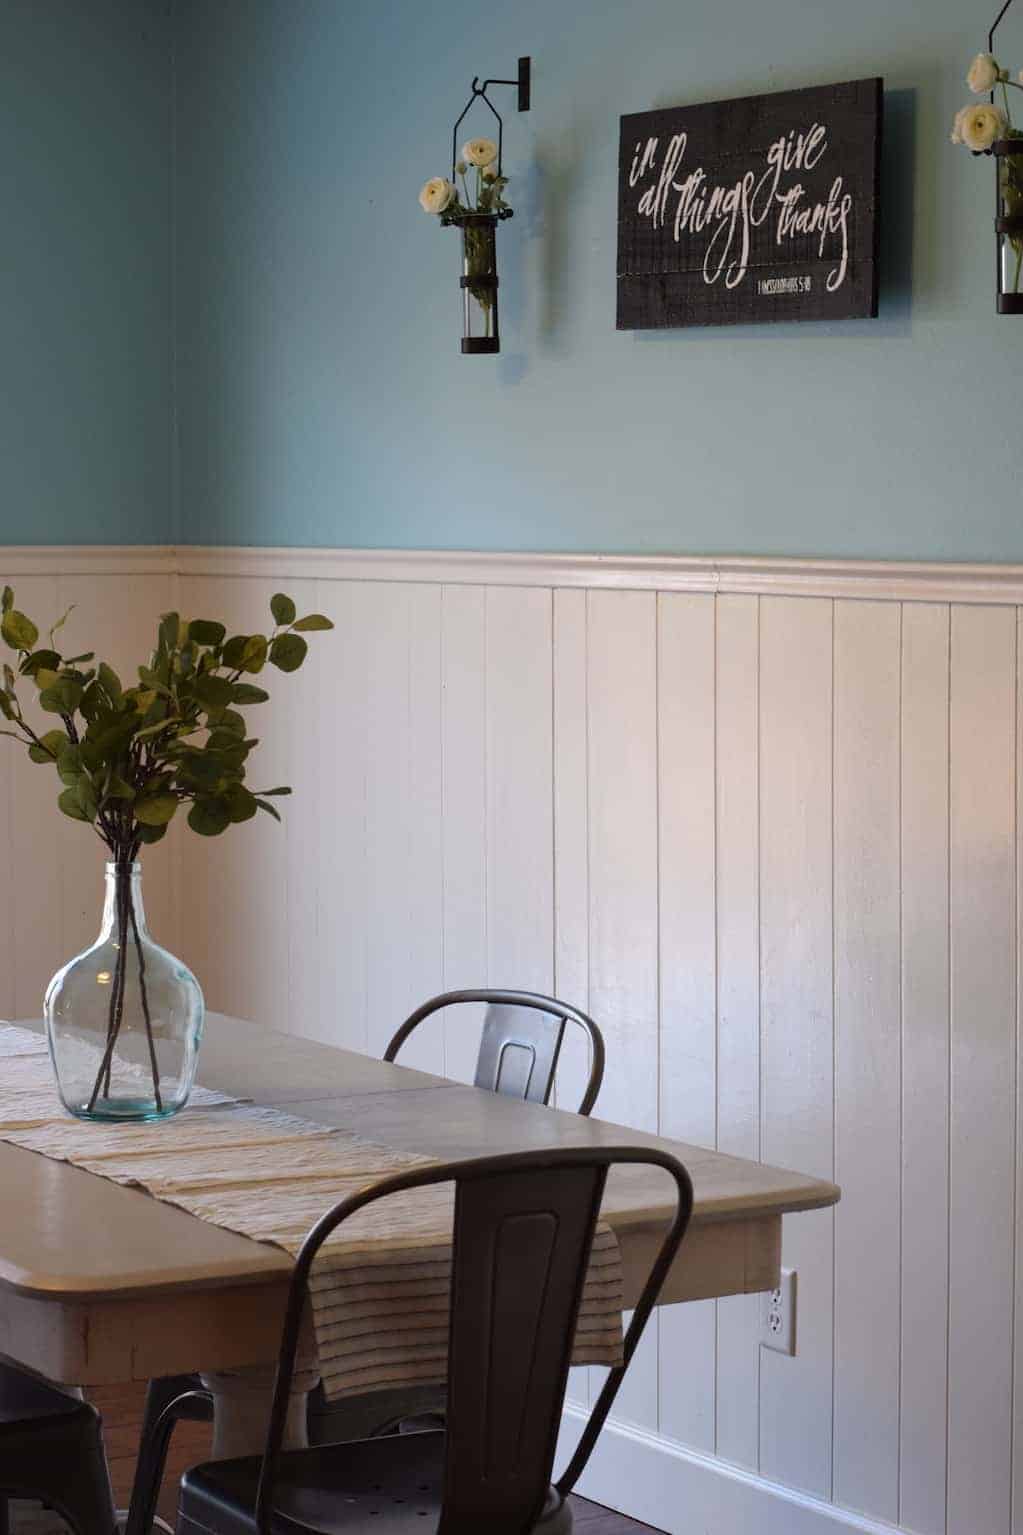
320,394
86,417
323,399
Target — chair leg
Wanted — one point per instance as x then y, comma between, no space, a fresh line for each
86,1499
164,1409
89,1509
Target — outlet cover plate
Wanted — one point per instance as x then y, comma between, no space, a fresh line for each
778,1315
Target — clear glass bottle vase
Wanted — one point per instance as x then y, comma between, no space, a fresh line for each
125,1018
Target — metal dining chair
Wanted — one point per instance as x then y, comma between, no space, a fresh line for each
523,1032
51,1452
522,1233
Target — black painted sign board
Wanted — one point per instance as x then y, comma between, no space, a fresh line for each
760,209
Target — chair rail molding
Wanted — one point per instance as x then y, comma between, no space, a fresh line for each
894,581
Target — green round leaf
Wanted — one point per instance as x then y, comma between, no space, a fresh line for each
49,747
214,692
70,805
6,600
150,834
282,608
170,632
254,655
40,658
110,682
241,804
313,621
234,650
155,809
245,693
19,632
210,816
288,651
205,631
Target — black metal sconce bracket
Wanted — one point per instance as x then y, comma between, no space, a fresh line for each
1008,226
523,84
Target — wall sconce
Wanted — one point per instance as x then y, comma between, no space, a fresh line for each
1008,154
476,211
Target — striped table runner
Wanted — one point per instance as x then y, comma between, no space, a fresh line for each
379,1290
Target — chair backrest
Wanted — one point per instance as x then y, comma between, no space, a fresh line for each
522,1037
523,1229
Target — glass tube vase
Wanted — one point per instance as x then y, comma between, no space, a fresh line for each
1008,155
480,326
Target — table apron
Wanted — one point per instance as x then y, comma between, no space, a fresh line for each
109,1341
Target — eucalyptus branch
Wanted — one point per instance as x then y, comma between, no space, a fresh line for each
128,757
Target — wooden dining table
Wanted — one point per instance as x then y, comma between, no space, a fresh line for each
102,1284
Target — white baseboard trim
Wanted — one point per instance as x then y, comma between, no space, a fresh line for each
685,1493
875,580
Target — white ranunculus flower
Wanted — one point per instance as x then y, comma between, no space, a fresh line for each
437,195
980,126
984,74
490,173
461,168
479,152
957,126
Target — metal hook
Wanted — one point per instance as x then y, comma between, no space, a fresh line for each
994,28
479,92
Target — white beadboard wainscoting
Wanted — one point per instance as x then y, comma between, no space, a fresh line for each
761,819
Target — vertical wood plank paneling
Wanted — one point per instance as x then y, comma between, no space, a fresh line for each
297,741
628,800
341,821
1017,1374
571,853
981,1171
867,1056
621,686
687,946
464,669
425,894
388,933
9,752
277,854
38,837
571,862
925,999
520,771
738,964
796,1009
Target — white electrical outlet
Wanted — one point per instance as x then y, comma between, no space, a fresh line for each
778,1315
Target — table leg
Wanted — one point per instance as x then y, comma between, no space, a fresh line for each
241,1409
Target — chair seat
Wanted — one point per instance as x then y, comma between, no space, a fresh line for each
386,1486
25,1399
51,1450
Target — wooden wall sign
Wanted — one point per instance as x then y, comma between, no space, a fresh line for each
765,208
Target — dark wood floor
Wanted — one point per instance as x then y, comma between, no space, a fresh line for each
591,1519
